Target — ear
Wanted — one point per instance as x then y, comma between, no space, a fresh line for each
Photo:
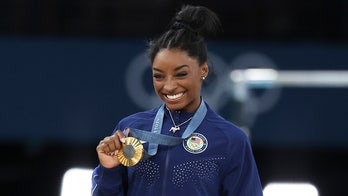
204,70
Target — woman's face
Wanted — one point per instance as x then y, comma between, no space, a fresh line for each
177,79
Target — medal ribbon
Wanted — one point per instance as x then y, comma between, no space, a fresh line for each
155,137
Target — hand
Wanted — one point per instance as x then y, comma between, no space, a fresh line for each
108,147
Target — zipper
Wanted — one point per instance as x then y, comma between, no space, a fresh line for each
166,165
165,176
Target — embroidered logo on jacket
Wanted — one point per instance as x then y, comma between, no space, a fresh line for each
196,143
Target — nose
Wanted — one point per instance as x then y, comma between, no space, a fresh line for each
170,84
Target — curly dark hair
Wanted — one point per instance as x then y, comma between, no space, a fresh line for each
186,32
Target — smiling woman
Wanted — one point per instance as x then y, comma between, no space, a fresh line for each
177,79
215,156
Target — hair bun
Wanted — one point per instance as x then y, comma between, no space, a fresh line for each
182,25
197,19
187,32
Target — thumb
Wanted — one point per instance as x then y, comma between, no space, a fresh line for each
126,132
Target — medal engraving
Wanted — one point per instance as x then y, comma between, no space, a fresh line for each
131,152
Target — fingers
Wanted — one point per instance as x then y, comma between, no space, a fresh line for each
127,132
121,136
109,145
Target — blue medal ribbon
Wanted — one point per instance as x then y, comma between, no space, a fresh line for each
155,137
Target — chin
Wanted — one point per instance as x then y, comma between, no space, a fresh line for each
174,106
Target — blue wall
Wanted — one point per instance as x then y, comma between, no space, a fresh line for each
76,90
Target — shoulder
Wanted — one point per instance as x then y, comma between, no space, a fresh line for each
227,135
225,128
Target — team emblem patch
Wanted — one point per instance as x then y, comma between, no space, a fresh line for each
196,143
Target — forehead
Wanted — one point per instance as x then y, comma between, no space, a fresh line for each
173,57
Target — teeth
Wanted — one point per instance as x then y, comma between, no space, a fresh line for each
174,96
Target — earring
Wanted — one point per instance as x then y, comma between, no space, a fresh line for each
203,77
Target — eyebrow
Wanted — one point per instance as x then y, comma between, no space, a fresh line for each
176,69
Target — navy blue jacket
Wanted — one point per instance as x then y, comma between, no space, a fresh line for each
216,160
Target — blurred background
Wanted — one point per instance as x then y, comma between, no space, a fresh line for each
71,69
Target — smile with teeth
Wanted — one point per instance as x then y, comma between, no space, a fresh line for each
174,96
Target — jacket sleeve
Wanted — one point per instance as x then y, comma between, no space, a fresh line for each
109,181
242,177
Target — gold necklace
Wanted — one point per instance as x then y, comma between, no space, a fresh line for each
176,128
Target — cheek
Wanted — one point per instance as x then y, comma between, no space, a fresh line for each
156,85
194,84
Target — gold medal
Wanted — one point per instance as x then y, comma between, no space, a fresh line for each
131,152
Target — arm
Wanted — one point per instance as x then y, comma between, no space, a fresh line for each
109,176
242,176
108,181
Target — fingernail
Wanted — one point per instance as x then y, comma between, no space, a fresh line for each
123,140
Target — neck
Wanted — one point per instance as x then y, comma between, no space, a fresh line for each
176,126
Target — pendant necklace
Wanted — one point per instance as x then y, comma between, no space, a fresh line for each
176,128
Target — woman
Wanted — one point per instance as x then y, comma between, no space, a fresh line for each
191,150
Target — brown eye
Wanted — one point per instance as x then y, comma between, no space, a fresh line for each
182,74
157,76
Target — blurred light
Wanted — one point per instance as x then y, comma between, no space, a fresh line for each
290,189
253,74
261,74
77,181
267,78
255,77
